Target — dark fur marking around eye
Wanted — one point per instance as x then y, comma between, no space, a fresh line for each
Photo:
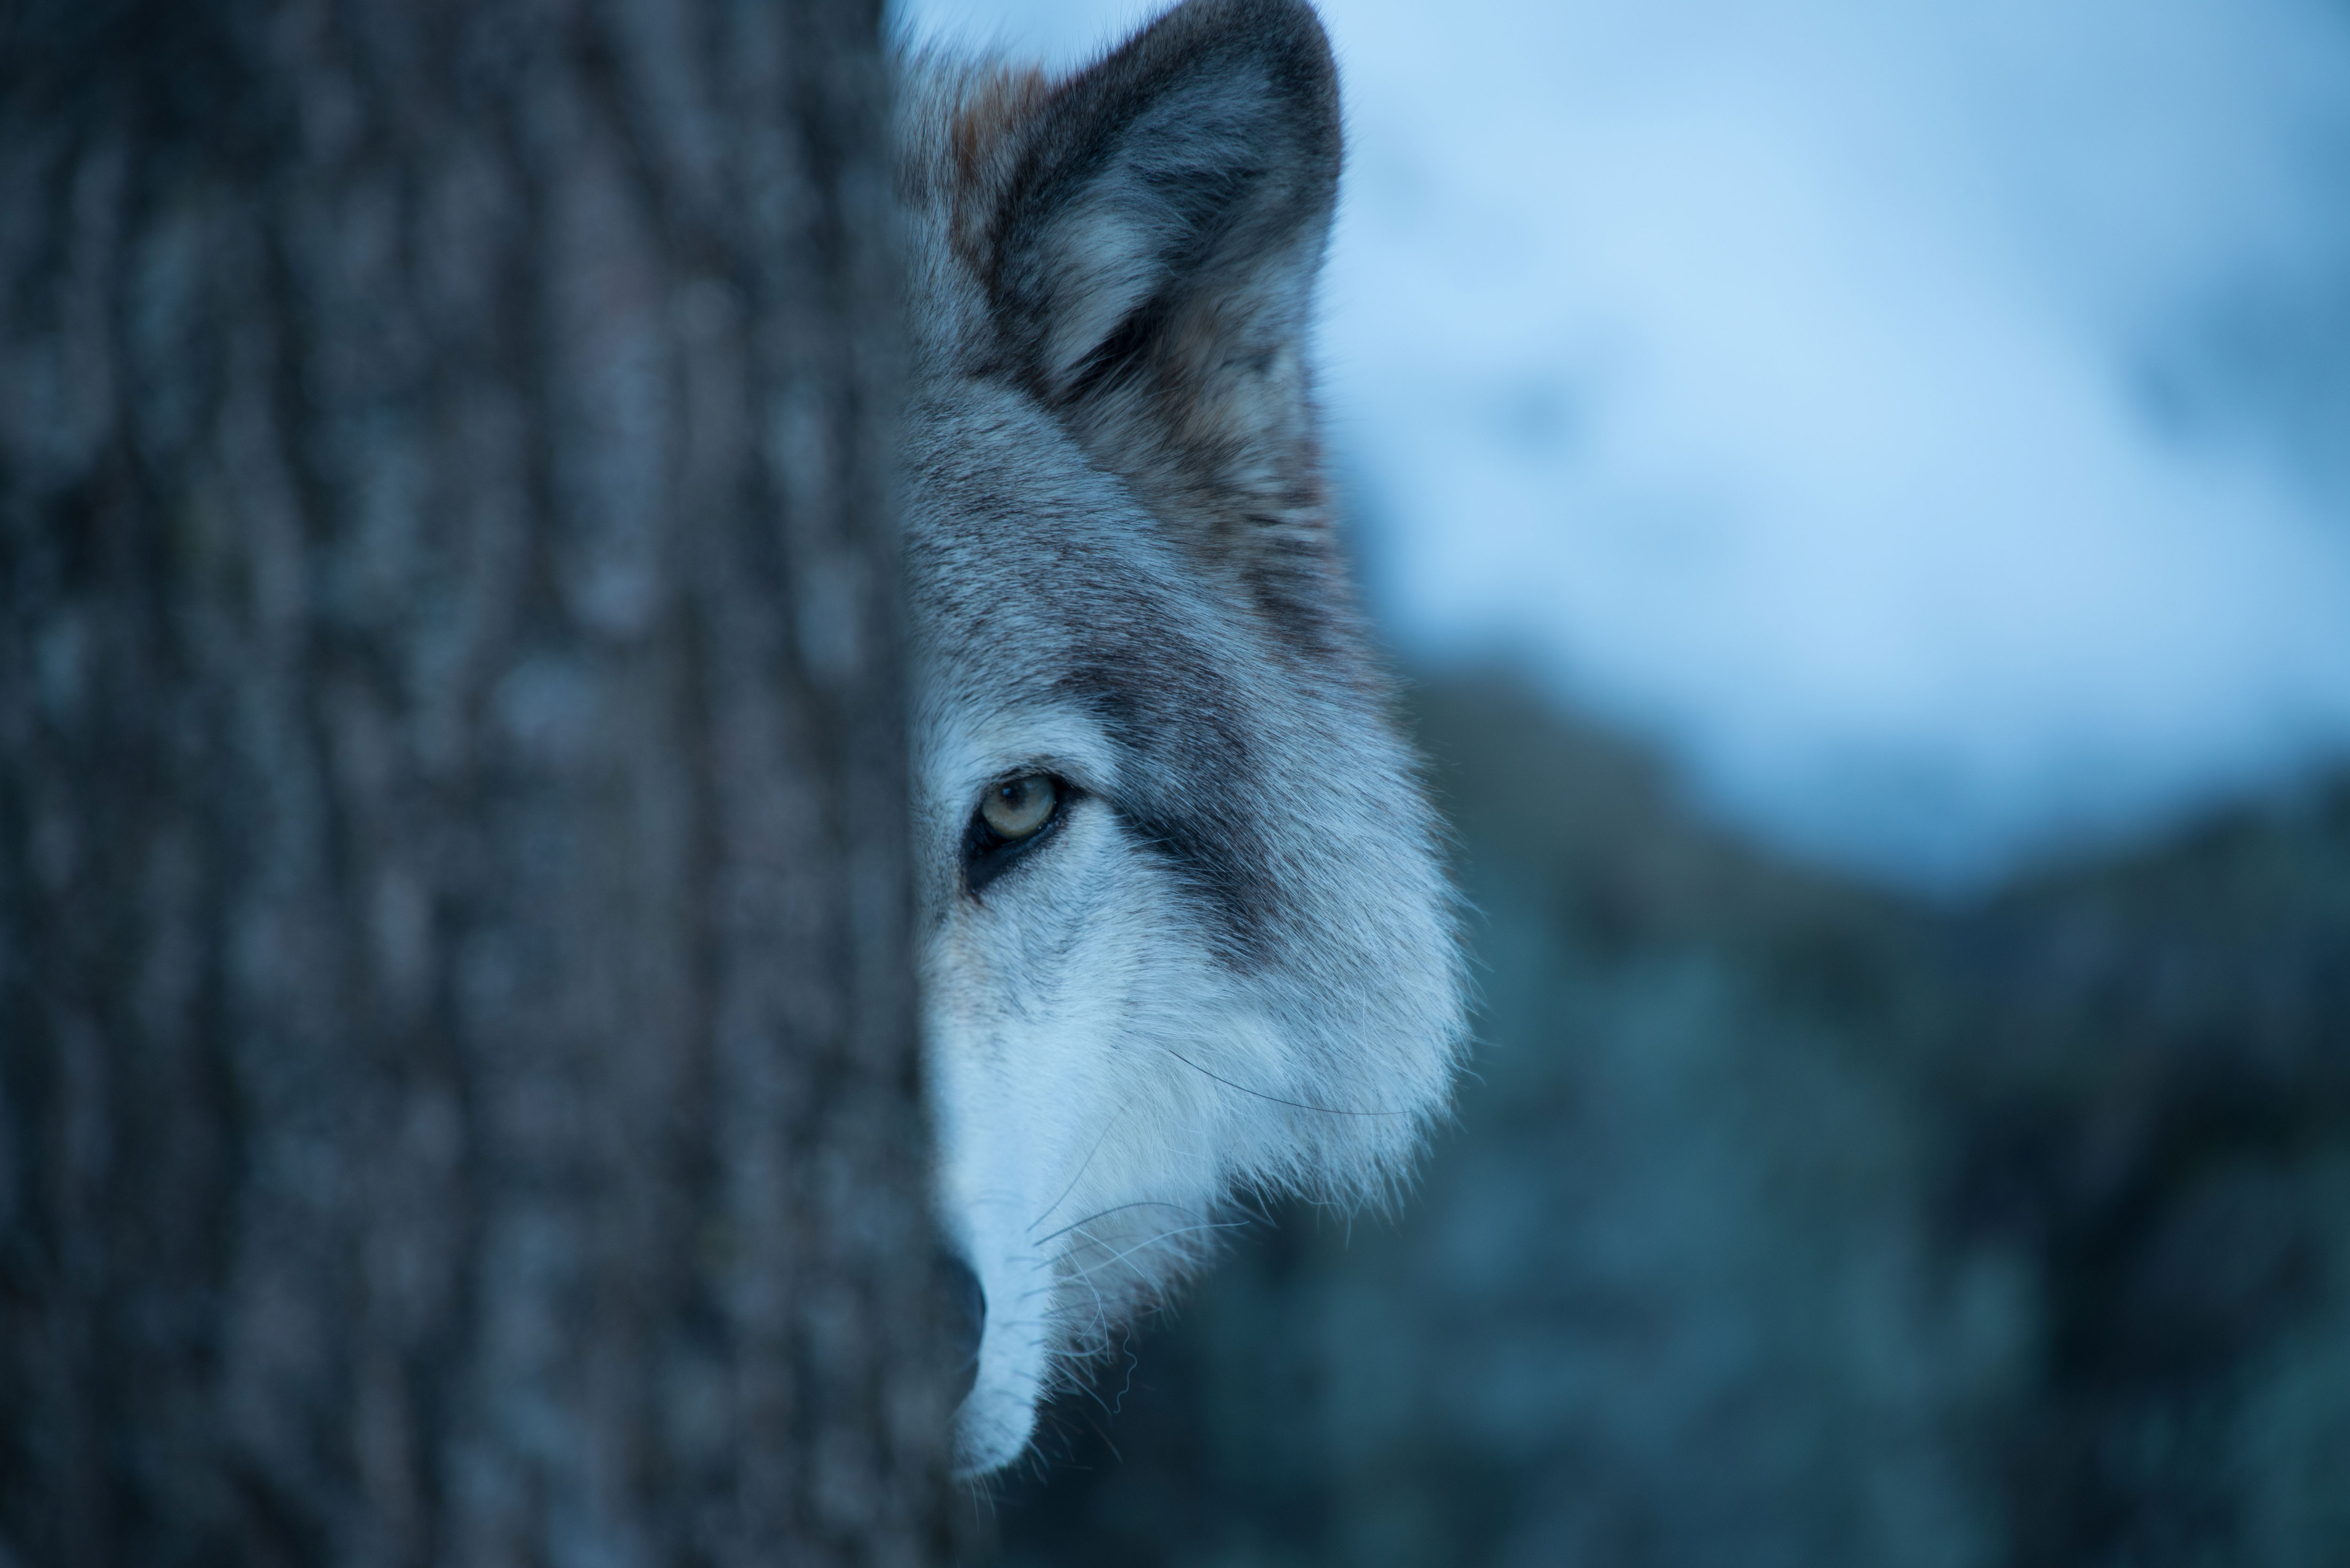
987,854
1153,708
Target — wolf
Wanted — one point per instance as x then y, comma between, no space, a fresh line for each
1185,928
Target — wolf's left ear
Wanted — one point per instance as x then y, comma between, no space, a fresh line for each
1156,249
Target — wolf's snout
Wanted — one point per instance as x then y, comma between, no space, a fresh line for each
966,1319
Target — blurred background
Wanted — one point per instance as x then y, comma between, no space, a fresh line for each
1862,494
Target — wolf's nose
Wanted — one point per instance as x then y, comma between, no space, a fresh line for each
966,1318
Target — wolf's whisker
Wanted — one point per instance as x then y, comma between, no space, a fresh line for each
1276,1099
1120,1208
1162,1236
1072,1186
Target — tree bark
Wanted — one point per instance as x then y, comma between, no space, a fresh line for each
458,1091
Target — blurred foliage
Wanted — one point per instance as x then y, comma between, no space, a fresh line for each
1792,1222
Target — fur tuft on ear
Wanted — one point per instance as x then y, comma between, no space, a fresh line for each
1153,258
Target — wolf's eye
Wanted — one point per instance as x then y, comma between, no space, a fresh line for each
1016,808
1013,818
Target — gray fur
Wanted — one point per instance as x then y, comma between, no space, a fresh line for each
1232,965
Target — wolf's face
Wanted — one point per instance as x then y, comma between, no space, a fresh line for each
1184,929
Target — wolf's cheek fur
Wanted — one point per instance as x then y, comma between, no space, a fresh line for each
1231,964
1080,1162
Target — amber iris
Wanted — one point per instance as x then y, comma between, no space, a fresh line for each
1016,808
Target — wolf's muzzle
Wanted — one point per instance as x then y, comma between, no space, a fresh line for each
966,1319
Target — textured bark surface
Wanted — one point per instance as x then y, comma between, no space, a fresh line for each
457,1084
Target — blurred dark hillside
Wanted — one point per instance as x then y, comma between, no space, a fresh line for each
1790,1222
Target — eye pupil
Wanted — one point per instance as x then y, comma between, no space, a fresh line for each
1018,807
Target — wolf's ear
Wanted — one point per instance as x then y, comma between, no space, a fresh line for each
1156,248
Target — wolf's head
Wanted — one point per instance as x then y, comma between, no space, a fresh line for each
1185,933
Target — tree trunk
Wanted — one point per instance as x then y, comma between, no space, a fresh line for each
458,1095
